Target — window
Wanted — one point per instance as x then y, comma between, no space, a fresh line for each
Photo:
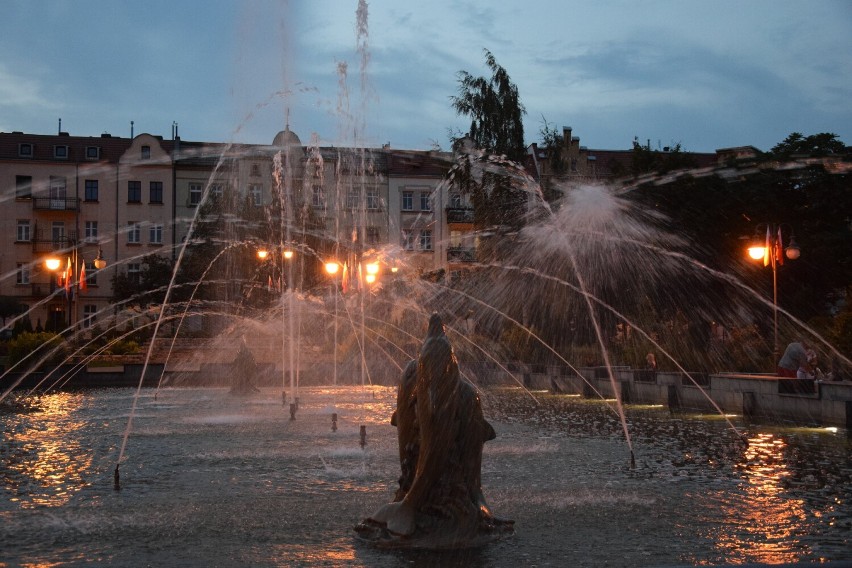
156,194
23,275
195,192
57,193
372,199
353,199
426,239
93,152
408,201
455,200
408,240
57,233
317,196
133,233
255,170
60,152
25,150
256,192
23,232
91,190
90,312
134,272
91,231
425,201
372,235
146,152
217,189
23,187
134,192
91,273
156,235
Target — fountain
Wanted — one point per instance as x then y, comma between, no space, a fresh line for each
585,291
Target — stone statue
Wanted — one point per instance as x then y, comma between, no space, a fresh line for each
441,432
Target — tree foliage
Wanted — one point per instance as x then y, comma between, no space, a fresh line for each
495,110
815,145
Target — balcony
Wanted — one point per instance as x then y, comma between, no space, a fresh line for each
48,244
56,203
459,215
461,254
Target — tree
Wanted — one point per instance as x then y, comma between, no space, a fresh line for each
816,145
148,286
494,108
10,307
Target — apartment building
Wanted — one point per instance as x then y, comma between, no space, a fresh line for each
73,198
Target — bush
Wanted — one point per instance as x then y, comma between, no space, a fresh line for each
48,346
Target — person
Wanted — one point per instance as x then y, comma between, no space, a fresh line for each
794,359
651,361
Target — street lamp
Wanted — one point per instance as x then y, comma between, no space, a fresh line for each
74,266
770,248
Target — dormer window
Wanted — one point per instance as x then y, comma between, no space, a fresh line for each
93,152
60,152
146,152
25,150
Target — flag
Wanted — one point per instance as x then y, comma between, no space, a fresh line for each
766,249
69,274
779,249
83,285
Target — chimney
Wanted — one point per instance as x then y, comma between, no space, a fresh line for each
566,136
60,126
131,129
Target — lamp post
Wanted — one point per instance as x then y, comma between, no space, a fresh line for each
73,266
771,250
332,268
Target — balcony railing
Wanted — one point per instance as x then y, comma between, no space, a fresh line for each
46,243
56,203
459,215
461,254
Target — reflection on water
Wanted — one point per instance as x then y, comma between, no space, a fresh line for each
210,477
44,460
762,530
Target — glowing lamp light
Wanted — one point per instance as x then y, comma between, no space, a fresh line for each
370,278
52,263
100,262
372,268
757,251
394,269
288,254
793,251
332,267
262,254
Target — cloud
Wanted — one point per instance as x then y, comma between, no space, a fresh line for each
18,92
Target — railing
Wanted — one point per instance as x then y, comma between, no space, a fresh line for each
459,215
461,254
56,203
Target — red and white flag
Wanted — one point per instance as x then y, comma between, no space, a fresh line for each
779,249
69,274
83,285
766,249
